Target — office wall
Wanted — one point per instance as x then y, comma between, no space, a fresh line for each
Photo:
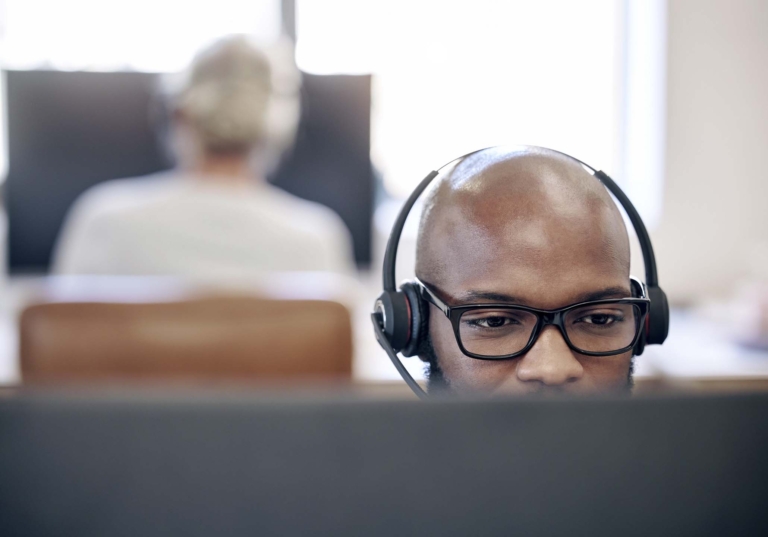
715,215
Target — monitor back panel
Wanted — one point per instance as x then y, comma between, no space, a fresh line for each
229,466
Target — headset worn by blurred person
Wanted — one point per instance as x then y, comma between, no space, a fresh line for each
233,113
523,282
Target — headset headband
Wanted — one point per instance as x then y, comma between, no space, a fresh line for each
649,259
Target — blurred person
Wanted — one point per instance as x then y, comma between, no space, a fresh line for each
532,228
214,215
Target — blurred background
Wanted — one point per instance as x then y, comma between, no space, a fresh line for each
362,100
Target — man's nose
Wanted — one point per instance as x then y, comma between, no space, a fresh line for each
550,360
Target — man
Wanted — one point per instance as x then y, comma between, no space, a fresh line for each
525,227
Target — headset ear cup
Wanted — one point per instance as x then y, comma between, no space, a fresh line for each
658,322
419,318
392,308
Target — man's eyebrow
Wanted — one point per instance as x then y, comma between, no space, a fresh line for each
470,296
608,292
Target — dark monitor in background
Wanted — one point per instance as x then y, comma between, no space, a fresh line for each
225,465
68,131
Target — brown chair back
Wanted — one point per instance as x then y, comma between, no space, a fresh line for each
223,338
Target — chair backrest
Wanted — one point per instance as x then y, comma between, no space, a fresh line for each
216,338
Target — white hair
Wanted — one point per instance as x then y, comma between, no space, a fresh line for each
238,96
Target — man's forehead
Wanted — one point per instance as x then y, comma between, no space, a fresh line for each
472,236
521,285
537,267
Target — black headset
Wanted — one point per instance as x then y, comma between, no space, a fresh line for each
400,316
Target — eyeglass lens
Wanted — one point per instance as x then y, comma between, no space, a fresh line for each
591,328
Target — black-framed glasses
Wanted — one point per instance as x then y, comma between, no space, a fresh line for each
502,331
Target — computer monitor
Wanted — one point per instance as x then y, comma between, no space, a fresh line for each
68,131
245,465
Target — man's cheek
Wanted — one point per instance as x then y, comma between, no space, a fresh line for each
443,342
441,331
608,372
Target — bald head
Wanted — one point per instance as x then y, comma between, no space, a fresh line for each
526,227
503,205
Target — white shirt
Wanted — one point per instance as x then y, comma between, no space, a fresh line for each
173,224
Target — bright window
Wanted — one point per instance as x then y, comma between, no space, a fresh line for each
450,77
144,35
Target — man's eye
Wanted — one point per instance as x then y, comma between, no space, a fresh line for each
600,319
492,322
